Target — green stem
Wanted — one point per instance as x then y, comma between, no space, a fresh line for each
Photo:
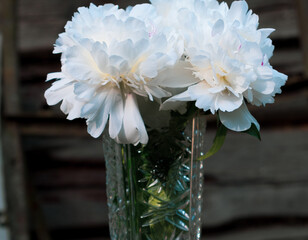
132,188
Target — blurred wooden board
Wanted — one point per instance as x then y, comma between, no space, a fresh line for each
13,165
10,61
74,208
281,157
254,181
40,21
288,61
4,231
224,204
15,183
273,233
83,207
302,7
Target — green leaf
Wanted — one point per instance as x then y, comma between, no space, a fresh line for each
253,131
217,143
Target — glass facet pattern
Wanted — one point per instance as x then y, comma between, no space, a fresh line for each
155,191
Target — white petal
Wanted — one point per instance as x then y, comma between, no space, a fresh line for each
187,18
264,87
265,32
238,120
218,27
177,102
97,121
75,110
97,125
179,76
217,89
228,102
116,114
201,61
117,62
143,11
157,91
280,80
204,99
84,91
148,68
91,108
135,24
267,48
133,130
63,83
126,49
56,75
66,106
206,102
80,64
238,10
265,72
140,47
248,94
54,97
63,42
198,90
100,57
166,59
251,53
260,99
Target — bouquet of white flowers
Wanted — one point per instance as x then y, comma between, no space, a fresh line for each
215,53
137,70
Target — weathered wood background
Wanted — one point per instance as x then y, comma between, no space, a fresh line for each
253,190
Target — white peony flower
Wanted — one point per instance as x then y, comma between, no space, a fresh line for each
108,57
229,58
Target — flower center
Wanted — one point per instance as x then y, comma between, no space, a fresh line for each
213,78
222,80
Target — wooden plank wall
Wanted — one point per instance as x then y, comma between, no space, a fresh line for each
302,7
253,190
4,233
13,162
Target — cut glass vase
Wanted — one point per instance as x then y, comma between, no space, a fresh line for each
155,191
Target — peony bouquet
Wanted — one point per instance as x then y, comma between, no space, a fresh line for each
170,52
136,71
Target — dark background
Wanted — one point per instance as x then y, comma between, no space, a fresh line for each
55,173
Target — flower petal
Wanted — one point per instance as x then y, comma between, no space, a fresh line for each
55,75
264,87
228,102
133,129
238,11
79,63
238,120
218,27
156,92
75,110
116,114
97,120
177,102
179,76
84,91
54,97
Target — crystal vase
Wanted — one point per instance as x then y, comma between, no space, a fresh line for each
155,191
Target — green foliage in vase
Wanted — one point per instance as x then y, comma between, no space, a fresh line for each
163,180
